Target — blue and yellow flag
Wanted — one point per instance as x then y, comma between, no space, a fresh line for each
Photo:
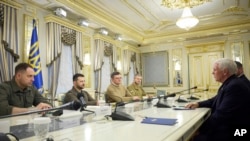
34,59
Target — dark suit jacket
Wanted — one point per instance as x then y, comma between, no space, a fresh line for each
229,108
245,79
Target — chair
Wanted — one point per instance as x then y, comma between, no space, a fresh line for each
60,98
106,98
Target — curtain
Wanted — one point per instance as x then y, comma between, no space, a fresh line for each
78,53
126,61
137,63
57,38
54,48
9,42
105,64
99,53
65,82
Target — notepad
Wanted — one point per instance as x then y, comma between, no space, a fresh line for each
160,121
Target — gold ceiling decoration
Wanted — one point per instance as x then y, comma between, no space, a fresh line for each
234,9
179,4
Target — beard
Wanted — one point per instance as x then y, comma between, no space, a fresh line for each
80,87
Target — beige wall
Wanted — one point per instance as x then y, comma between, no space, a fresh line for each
27,9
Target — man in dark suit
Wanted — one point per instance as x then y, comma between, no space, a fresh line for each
240,73
229,108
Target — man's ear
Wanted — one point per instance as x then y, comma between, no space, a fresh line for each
18,75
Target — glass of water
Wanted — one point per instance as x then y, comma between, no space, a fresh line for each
41,127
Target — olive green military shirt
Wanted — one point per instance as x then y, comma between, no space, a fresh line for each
136,90
13,96
71,95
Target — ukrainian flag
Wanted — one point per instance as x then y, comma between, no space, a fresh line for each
34,59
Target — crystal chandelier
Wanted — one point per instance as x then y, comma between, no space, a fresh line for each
187,19
173,4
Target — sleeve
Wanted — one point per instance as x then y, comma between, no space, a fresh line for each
143,92
70,97
91,100
38,98
207,103
112,96
127,94
117,98
131,89
5,109
233,106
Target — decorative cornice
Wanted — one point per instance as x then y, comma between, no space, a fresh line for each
64,22
116,43
11,3
84,8
104,38
158,38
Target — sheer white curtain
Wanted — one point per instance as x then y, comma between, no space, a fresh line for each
131,73
9,41
65,82
105,73
126,65
105,64
99,53
73,53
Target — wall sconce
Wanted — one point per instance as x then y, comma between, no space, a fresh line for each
83,22
87,59
60,12
104,31
119,65
177,66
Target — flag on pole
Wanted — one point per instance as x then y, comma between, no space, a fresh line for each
34,59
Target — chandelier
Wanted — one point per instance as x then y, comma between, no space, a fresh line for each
187,19
173,4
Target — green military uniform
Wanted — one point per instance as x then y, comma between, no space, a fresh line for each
13,96
136,90
71,95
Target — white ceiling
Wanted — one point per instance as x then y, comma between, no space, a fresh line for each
146,21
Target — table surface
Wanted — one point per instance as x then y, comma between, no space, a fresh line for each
87,129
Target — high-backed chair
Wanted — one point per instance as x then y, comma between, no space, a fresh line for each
60,98
106,98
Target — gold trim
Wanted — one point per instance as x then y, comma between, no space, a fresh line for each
162,37
11,3
84,8
64,22
207,47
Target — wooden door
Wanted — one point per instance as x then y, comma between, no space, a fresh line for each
200,70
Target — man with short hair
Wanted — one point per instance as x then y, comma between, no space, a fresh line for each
19,95
240,72
229,108
116,92
78,86
135,88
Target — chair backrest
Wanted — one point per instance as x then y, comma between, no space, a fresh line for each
106,98
160,92
60,98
